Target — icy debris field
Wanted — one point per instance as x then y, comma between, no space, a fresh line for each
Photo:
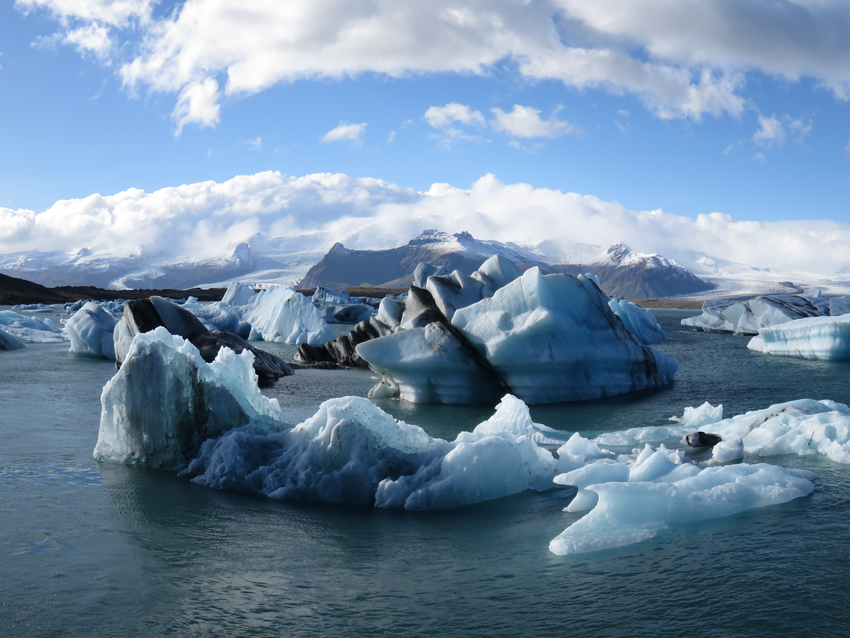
166,407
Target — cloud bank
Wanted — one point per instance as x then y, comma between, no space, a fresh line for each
684,59
208,219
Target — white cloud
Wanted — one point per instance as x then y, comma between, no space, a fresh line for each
390,137
682,59
346,131
256,144
525,121
208,219
443,116
847,148
770,132
759,157
728,149
197,103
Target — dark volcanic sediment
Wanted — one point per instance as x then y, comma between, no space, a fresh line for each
20,291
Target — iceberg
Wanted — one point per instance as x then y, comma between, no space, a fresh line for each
9,342
696,417
29,329
282,314
640,322
168,408
802,427
825,338
512,415
553,338
165,400
239,294
90,331
748,317
144,315
636,509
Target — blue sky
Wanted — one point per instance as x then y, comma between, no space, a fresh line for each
733,107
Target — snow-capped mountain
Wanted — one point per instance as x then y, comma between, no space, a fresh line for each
621,271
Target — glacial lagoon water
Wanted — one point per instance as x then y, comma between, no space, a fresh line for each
102,549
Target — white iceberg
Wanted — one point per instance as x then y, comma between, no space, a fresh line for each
813,338
640,322
90,331
697,417
553,338
632,511
282,314
802,427
29,329
512,415
239,294
748,317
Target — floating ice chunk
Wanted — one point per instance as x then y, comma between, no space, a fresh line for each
347,313
748,317
353,452
29,329
630,512
697,417
281,314
640,322
429,365
553,338
472,469
577,451
727,451
800,427
512,416
813,338
594,279
10,342
601,471
327,297
165,399
239,294
224,317
90,331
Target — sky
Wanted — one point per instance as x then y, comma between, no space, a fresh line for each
737,108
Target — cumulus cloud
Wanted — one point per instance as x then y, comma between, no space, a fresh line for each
208,219
682,59
525,121
443,116
346,131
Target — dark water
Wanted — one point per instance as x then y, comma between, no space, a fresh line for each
100,549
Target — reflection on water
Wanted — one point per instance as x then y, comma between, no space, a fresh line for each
104,549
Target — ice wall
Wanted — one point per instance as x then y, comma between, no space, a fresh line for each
90,331
812,338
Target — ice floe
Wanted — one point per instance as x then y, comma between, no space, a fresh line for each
30,329
812,338
90,331
748,317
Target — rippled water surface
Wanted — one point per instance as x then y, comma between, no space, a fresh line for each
101,549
